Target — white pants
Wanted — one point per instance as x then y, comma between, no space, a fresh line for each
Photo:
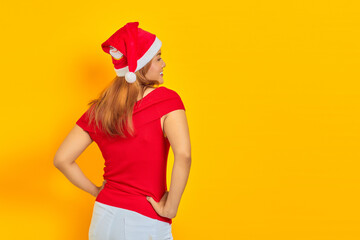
113,223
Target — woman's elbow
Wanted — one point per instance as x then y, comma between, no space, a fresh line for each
57,162
185,157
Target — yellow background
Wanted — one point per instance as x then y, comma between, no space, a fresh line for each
271,90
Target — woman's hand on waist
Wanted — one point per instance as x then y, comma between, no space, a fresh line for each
100,188
159,207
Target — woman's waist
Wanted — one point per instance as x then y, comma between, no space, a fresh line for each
129,201
134,190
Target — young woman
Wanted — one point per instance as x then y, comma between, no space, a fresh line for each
133,122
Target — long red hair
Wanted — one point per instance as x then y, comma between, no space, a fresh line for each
114,106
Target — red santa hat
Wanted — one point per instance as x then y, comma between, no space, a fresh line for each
131,49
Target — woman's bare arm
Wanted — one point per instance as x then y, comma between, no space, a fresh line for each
70,149
177,131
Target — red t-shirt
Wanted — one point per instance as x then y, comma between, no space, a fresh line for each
135,167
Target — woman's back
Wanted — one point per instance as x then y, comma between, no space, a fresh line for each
135,167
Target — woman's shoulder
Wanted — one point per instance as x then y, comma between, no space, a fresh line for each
168,91
171,97
160,95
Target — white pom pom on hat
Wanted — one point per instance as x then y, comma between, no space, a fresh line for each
130,77
131,48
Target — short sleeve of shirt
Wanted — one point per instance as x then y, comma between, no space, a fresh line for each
172,101
83,123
